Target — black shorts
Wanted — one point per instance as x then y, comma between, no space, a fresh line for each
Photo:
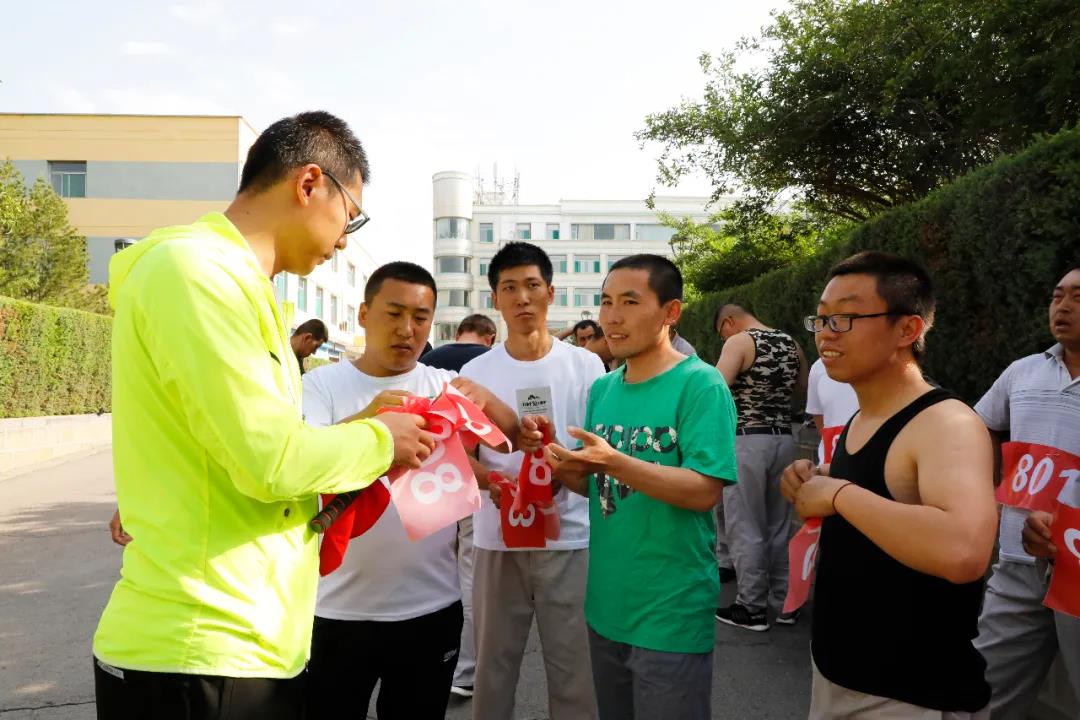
413,660
137,695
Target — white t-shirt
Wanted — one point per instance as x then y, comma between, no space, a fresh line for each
835,401
557,386
384,576
1036,401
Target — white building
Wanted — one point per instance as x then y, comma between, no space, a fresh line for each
582,237
332,293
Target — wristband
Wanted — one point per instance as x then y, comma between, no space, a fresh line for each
838,490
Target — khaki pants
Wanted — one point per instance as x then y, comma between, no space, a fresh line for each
509,588
829,701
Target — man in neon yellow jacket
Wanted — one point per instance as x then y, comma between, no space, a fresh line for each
216,472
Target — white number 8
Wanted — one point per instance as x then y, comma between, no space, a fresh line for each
539,472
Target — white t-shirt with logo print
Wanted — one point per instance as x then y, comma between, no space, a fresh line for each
384,576
557,385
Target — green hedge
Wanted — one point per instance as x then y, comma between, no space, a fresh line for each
995,242
53,361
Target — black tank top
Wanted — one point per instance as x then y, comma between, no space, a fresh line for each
880,627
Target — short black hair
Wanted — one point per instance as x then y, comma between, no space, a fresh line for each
310,137
517,254
664,277
398,270
315,326
903,284
736,310
482,325
582,324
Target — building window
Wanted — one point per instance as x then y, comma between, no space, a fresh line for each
281,286
586,263
560,297
334,261
600,231
523,231
350,274
612,259
333,310
351,319
484,266
444,332
646,231
487,233
453,264
452,229
68,178
551,231
319,303
301,293
454,298
483,299
558,263
587,297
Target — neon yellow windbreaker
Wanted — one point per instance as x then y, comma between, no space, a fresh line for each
216,472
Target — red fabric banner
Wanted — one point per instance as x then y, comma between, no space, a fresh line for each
802,552
1033,475
1064,592
437,494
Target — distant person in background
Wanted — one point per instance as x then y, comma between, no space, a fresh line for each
582,331
679,342
307,338
598,345
475,336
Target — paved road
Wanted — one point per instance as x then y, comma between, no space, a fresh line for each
57,567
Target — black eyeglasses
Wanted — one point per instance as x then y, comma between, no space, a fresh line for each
840,322
361,218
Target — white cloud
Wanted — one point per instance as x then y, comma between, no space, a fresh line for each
146,47
68,99
159,101
291,27
199,13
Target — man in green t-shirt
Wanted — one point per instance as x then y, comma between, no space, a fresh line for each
661,447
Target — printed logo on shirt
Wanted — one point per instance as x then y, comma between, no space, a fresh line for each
631,441
534,401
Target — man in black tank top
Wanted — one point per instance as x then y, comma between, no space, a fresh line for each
908,509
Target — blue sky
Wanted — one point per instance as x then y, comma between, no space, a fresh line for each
554,89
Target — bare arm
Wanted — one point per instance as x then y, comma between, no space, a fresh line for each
804,373
681,487
736,356
950,533
819,423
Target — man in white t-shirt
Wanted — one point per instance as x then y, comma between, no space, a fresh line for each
536,375
832,404
392,612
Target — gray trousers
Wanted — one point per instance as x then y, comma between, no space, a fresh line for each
465,672
829,701
633,683
1019,637
758,520
723,552
509,589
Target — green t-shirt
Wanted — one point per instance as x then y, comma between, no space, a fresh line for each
653,580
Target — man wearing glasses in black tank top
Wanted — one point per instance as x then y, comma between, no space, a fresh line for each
908,508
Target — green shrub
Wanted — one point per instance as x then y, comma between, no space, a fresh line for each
53,361
995,242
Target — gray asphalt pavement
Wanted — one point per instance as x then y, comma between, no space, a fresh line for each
57,566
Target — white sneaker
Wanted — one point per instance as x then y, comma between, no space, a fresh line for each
465,691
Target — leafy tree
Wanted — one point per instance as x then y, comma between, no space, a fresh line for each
743,241
42,258
863,105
